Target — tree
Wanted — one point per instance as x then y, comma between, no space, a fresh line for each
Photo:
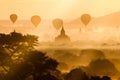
22,58
13,47
77,74
99,78
102,67
95,78
48,77
17,44
36,64
106,78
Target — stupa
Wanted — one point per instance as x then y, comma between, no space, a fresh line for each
62,38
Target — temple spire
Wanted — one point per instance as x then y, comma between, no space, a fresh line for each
62,37
62,31
14,30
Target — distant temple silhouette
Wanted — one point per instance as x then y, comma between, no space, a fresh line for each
62,38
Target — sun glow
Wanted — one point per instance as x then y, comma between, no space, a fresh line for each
50,9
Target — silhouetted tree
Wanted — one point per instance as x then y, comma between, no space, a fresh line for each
102,67
14,41
95,78
36,64
106,78
48,77
14,46
99,78
77,74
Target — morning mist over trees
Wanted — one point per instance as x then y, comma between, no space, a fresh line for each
60,40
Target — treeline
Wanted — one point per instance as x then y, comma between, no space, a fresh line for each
19,60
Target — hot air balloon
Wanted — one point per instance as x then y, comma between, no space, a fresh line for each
13,18
35,20
57,23
85,18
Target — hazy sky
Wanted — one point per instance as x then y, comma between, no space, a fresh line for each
50,9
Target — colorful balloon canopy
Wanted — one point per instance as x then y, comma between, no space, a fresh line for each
13,17
57,23
85,18
35,20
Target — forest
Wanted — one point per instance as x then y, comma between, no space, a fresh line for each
20,60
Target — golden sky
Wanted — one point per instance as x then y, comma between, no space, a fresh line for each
50,9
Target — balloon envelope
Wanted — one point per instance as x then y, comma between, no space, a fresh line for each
13,17
57,23
35,20
85,18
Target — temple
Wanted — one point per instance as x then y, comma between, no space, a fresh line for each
62,38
